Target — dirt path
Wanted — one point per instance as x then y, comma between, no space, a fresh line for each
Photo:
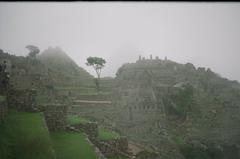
94,102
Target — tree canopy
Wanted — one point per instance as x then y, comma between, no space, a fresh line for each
97,62
34,50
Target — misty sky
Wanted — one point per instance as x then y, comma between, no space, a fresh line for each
205,34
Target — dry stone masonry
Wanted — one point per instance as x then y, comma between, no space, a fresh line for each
56,117
23,99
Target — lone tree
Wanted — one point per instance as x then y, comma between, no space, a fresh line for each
34,50
97,63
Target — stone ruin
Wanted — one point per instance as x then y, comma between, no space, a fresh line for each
108,148
140,58
142,113
90,128
56,117
114,147
24,100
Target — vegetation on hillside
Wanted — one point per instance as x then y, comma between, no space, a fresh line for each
73,119
104,134
97,63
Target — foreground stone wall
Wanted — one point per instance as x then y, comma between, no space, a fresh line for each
114,147
108,148
56,117
91,129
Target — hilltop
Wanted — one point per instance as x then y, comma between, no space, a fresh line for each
178,108
64,68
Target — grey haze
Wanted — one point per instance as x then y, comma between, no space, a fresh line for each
205,34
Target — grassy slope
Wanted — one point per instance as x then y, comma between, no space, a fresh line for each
107,135
24,136
73,119
72,146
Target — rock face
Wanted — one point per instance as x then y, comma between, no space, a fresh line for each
166,105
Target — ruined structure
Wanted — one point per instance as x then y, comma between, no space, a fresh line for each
162,99
56,117
24,100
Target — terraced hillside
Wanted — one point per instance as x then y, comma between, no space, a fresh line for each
50,78
183,111
62,69
95,106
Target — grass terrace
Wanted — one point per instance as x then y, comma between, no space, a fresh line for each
70,145
107,135
74,119
25,136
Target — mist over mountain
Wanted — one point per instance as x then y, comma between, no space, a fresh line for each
116,80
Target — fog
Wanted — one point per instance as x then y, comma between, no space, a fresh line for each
205,34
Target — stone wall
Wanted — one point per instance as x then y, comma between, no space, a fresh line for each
114,147
22,99
56,117
3,107
108,148
91,129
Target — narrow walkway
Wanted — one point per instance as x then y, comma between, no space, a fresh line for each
93,102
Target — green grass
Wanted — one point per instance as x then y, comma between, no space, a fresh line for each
104,134
74,119
25,136
70,145
2,98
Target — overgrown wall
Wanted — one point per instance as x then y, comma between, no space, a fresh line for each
56,117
